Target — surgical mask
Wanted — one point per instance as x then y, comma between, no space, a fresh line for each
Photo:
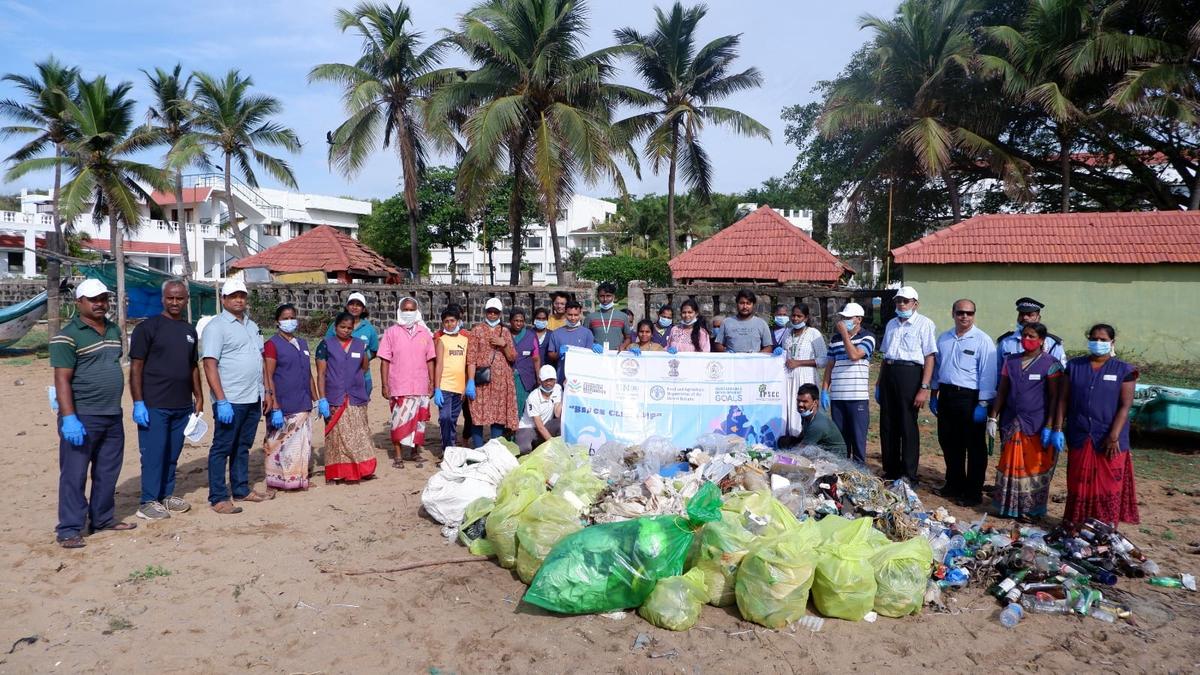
1099,348
664,322
547,390
781,321
407,318
1030,344
687,322
799,324
904,313
539,324
849,324
606,306
492,322
572,324
289,325
806,413
452,331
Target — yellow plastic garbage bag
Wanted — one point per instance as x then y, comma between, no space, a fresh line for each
555,458
844,585
540,526
472,533
775,577
675,602
760,513
901,574
582,483
501,524
723,544
518,480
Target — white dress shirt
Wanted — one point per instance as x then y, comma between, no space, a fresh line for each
909,339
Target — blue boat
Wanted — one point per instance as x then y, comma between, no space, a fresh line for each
16,320
1166,409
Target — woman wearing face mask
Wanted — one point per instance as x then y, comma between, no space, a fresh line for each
529,359
541,330
356,306
495,403
1023,418
290,392
662,328
691,333
1097,396
780,318
542,416
804,352
341,370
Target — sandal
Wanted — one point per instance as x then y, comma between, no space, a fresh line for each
254,496
226,508
117,527
398,463
72,542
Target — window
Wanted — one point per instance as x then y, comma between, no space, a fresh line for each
272,229
440,268
562,243
533,243
462,268
506,268
549,268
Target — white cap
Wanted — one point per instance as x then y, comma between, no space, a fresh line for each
493,303
547,373
91,288
232,286
852,309
907,292
357,296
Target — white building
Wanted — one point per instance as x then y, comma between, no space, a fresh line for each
801,218
578,228
267,216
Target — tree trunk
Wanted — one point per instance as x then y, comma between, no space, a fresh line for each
453,267
1064,158
672,246
181,224
238,235
1194,204
516,211
952,188
119,255
408,162
552,218
53,269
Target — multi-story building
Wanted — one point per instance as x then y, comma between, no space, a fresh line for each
578,228
267,217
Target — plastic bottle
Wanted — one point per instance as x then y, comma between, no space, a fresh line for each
1033,604
1166,582
957,542
1011,615
812,623
1103,615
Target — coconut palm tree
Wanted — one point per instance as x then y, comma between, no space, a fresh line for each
97,157
43,117
171,118
535,106
236,124
684,80
383,91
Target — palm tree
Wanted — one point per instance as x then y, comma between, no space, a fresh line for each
384,88
535,106
236,124
684,81
96,155
44,118
172,111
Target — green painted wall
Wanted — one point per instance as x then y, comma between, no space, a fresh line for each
1155,308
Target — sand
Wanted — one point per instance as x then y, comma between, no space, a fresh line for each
247,593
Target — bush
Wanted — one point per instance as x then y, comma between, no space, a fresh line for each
621,269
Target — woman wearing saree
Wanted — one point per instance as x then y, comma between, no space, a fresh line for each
1023,416
290,392
341,368
356,306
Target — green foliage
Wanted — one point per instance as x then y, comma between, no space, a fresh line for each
148,572
10,202
621,269
386,230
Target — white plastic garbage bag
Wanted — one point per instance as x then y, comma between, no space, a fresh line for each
196,428
465,475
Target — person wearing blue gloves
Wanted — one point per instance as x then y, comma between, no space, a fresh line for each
450,374
164,381
573,335
964,385
342,363
291,394
86,357
747,333
609,326
231,353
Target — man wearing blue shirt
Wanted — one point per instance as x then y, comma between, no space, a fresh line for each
964,384
1028,311
573,335
909,346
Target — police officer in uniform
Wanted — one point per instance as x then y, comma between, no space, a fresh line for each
1028,311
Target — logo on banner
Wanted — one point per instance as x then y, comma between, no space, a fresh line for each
629,367
767,395
657,392
673,368
715,370
573,385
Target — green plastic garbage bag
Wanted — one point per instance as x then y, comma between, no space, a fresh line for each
555,458
774,579
723,544
472,533
518,480
844,586
540,526
501,524
901,573
582,483
604,568
675,602
760,513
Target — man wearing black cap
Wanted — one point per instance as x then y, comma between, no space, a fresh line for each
1028,311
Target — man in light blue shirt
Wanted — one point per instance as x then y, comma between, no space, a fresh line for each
909,345
964,383
231,350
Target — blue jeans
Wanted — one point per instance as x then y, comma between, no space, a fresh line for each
160,445
448,418
102,451
231,448
497,431
852,419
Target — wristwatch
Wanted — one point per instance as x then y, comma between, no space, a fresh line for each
924,386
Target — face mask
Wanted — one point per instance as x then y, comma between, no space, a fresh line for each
492,323
1031,344
546,390
572,324
849,324
904,313
606,306
539,324
407,318
781,321
664,322
289,325
806,413
1098,348
452,331
686,322
797,325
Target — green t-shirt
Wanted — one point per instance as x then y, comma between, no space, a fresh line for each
820,431
97,381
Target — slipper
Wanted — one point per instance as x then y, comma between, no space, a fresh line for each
117,527
254,496
72,542
398,463
226,508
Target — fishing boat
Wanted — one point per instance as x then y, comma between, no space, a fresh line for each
1166,409
16,320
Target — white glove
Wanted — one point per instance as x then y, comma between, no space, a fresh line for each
993,427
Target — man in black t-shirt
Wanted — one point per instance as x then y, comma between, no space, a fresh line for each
164,381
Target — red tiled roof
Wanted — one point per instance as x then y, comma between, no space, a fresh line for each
150,247
321,248
18,241
1129,238
190,196
762,246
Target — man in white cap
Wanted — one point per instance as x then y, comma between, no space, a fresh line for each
88,381
909,351
231,351
542,418
845,390
406,377
356,306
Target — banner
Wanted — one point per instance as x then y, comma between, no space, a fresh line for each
618,396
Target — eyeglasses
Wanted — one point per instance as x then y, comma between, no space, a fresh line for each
963,312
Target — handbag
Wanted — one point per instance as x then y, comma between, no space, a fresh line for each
484,375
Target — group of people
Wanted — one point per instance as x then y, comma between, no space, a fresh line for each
504,378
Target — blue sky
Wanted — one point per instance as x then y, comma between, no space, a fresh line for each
795,43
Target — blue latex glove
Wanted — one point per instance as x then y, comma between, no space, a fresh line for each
276,420
562,351
439,399
877,394
471,389
635,350
824,400
323,408
980,415
1046,434
224,411
72,430
778,351
1058,440
933,405
672,349
141,416
598,348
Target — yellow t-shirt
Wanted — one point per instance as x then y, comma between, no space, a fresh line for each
454,363
553,323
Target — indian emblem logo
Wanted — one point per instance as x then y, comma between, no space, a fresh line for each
673,368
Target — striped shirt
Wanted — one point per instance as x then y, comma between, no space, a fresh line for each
850,380
97,381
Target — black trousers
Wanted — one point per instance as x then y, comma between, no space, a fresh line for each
962,441
899,438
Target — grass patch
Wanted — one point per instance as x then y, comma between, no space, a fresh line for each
1183,374
1179,471
148,572
118,623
